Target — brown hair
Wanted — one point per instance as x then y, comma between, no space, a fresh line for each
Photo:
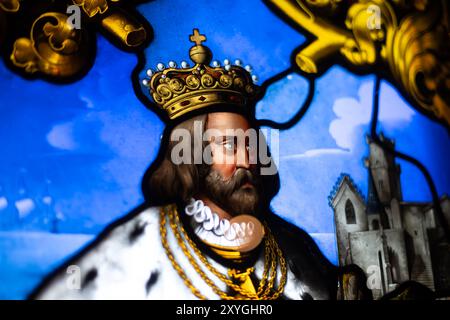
169,182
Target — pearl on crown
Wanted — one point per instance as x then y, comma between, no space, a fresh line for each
160,66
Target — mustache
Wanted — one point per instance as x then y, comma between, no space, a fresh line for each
241,177
228,193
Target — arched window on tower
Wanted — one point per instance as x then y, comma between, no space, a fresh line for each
375,224
350,216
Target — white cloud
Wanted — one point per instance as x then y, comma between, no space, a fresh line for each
315,153
25,206
88,101
352,113
61,136
3,203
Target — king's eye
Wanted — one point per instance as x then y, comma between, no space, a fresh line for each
229,146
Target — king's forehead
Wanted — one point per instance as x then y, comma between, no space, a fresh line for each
227,120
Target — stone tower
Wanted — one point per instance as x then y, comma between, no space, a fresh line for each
349,214
385,192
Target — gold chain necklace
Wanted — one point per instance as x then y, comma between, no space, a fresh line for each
272,253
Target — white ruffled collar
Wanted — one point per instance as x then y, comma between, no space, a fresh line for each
209,227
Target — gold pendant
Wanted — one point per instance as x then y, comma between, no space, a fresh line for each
242,279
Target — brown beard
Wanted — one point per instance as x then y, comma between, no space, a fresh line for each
230,194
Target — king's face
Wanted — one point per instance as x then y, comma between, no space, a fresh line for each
230,145
233,180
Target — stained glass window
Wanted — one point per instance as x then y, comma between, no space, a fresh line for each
73,153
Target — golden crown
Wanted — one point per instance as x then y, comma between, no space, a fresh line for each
181,90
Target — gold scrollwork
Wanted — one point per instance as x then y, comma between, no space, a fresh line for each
207,80
130,33
361,49
225,80
324,6
93,7
418,57
176,86
10,5
250,89
164,91
410,40
54,47
239,83
192,82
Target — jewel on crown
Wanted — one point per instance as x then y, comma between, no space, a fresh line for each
181,89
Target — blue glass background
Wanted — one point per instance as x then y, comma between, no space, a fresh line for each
72,156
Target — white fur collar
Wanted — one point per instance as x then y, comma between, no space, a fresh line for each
130,263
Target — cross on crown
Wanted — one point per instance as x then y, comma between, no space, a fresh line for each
197,38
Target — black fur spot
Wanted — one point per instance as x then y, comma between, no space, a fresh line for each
90,277
137,231
307,296
151,281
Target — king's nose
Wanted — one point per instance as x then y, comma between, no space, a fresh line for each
242,160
